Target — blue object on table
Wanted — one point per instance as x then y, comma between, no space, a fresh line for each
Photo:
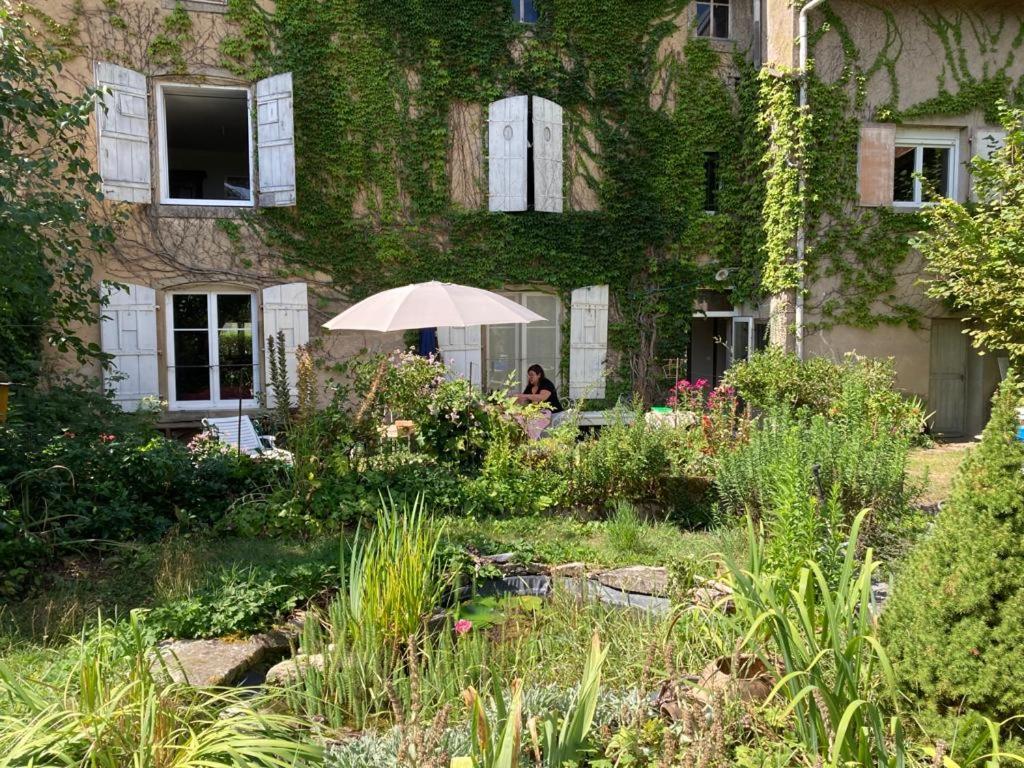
1020,433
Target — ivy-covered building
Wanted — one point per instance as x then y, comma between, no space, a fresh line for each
639,172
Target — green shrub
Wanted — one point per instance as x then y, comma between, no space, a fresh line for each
955,625
863,467
242,600
858,388
626,531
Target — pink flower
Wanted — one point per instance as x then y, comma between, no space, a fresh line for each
107,438
462,626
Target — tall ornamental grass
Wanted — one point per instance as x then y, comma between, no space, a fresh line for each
112,710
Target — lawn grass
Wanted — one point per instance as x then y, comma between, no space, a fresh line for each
936,467
563,539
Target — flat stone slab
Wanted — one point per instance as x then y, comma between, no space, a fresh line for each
589,589
637,579
572,570
218,662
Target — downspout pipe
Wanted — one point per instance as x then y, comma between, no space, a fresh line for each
801,232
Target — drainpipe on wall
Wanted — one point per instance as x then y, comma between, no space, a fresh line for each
801,234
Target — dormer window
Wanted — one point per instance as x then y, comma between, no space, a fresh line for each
524,11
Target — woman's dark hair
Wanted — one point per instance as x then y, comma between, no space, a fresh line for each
536,369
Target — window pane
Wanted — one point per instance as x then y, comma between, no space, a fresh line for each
542,337
234,311
903,177
720,21
529,12
235,355
207,144
935,168
740,340
503,356
191,365
190,310
711,181
703,19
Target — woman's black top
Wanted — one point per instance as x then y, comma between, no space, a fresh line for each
543,384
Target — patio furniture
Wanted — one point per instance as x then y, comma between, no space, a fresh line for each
240,433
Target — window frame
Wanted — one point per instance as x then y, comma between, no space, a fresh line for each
213,340
711,26
520,333
161,136
921,139
519,12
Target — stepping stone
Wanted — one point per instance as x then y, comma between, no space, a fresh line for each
218,662
288,670
637,579
568,570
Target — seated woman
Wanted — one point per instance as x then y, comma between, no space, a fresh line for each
539,389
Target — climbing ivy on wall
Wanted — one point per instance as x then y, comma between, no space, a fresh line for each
857,254
376,82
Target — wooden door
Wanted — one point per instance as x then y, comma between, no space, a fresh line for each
947,384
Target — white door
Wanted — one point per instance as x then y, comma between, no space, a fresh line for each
947,382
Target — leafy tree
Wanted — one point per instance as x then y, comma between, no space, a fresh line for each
48,189
976,250
955,625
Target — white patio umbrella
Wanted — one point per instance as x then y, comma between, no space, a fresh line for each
430,305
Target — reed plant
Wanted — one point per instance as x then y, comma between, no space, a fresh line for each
835,677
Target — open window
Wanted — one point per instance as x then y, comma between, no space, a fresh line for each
205,145
712,182
712,19
524,11
206,140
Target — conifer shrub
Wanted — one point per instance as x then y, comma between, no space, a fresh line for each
955,625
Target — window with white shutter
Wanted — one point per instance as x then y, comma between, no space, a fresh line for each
461,351
512,347
128,333
286,309
588,344
122,123
205,145
525,156
547,155
212,350
275,140
507,148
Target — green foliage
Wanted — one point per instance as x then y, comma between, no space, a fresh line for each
856,389
837,681
975,251
48,192
241,600
954,624
626,531
848,463
111,709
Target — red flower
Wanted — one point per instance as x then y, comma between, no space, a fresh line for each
107,438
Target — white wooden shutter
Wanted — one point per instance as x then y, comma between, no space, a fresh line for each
122,123
285,308
987,141
462,352
506,154
547,155
588,341
275,140
128,332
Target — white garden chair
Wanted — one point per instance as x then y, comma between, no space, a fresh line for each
240,433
